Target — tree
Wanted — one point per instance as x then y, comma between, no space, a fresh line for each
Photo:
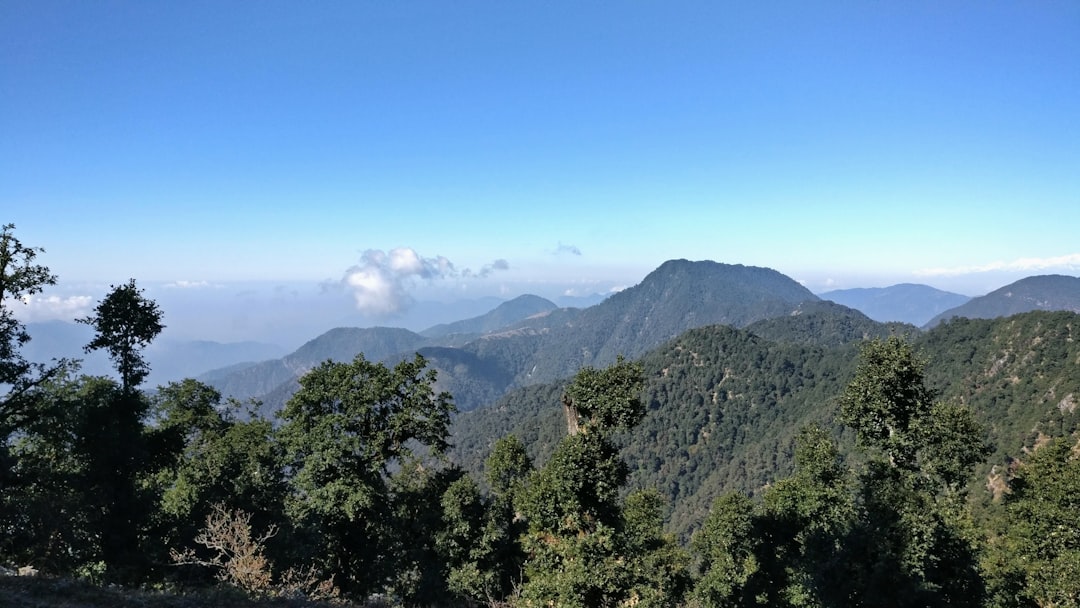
51,515
886,399
479,540
204,455
343,432
727,546
1038,544
584,546
20,278
806,522
609,398
659,569
126,322
912,534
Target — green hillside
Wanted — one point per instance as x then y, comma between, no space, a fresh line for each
724,404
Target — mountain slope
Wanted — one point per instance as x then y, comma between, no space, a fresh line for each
724,404
551,344
677,296
1044,292
501,316
904,303
827,323
340,344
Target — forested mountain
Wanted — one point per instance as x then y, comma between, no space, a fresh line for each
552,343
738,439
826,323
903,303
1044,292
503,315
725,405
262,379
273,381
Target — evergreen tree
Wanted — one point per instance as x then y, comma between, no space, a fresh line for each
205,455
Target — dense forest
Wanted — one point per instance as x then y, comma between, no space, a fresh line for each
808,460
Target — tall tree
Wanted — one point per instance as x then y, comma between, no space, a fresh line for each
728,544
126,322
343,432
583,546
205,455
479,539
912,534
20,278
806,522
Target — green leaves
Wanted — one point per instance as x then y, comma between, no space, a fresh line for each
609,398
1040,539
886,398
126,322
344,431
583,546
20,277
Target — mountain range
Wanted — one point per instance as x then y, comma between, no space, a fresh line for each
737,359
529,340
1045,292
905,303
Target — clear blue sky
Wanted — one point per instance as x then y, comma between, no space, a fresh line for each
843,143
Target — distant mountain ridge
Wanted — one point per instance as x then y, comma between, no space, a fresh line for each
553,343
504,314
903,303
1042,292
169,359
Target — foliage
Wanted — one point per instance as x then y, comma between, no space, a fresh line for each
101,479
126,322
343,432
20,278
886,400
237,555
727,546
1035,554
206,455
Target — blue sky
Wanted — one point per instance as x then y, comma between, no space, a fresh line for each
554,147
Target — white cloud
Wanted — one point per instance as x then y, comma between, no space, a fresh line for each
1062,262
33,309
381,281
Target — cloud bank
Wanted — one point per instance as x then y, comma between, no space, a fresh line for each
380,283
1063,262
36,308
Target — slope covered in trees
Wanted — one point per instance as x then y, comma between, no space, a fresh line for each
539,343
719,469
725,404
